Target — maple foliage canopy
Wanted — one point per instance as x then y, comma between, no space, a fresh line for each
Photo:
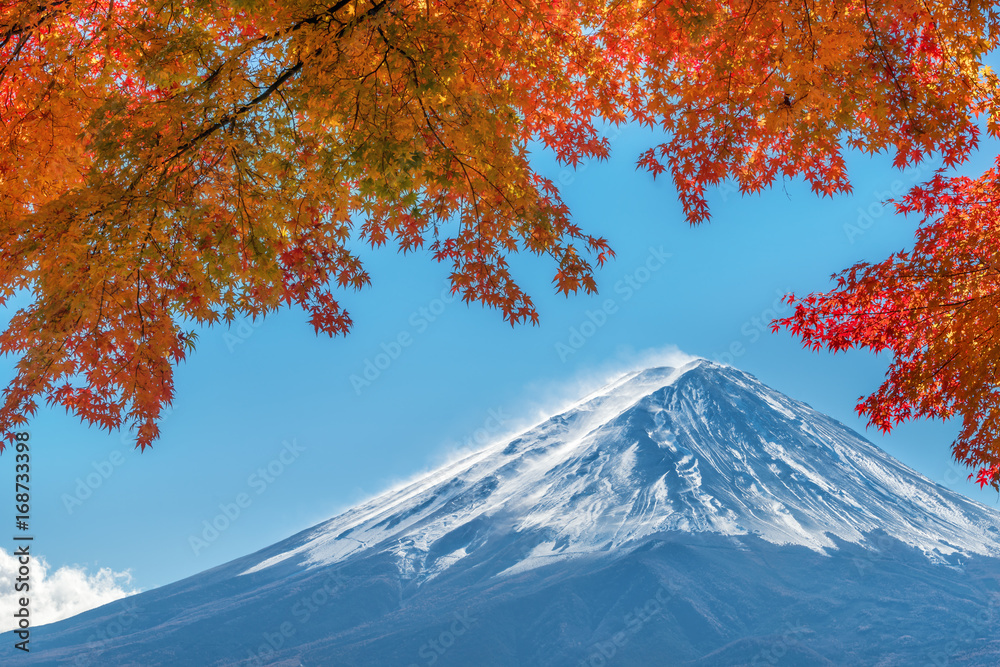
163,163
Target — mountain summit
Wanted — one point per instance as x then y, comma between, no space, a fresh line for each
701,448
684,515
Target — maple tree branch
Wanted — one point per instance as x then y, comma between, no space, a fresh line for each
957,352
23,32
812,38
18,28
230,117
326,15
904,99
285,75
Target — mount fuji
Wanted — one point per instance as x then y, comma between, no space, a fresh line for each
678,516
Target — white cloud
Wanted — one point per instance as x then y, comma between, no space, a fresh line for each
59,594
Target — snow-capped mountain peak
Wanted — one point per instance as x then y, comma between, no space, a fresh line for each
699,448
688,512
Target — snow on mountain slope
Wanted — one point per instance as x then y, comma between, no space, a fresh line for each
701,448
742,514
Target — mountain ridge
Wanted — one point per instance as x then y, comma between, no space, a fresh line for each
743,525
641,408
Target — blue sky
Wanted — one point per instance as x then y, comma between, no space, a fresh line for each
268,421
